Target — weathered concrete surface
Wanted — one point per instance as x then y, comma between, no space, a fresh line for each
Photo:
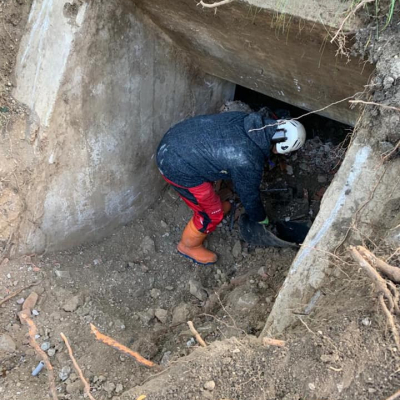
103,84
283,56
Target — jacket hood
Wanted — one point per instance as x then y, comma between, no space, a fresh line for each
261,137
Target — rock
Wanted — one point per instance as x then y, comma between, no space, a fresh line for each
71,304
329,358
64,373
197,290
20,301
109,387
45,346
289,169
166,358
147,245
210,385
7,344
366,321
74,387
51,352
155,293
311,386
161,315
322,178
146,316
119,388
241,300
237,249
163,224
388,82
181,314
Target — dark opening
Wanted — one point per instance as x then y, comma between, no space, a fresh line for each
304,175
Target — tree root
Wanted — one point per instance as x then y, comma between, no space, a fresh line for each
196,334
216,4
387,291
77,368
113,343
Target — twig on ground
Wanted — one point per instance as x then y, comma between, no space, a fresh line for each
352,12
196,334
371,103
216,4
13,294
266,341
32,331
394,396
393,273
113,343
77,368
380,283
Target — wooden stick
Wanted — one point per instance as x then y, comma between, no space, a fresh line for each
390,319
17,292
32,331
379,282
266,341
113,343
393,273
216,4
196,334
77,368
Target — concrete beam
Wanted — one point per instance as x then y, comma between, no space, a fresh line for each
283,56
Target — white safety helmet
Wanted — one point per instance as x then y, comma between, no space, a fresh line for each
295,136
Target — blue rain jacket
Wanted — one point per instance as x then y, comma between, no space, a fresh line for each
208,148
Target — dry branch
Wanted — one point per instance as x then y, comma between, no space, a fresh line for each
380,283
32,331
77,368
352,12
196,334
393,273
13,294
216,4
113,343
266,341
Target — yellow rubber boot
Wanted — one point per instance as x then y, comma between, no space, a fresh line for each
191,246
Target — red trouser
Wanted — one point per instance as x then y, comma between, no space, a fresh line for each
205,203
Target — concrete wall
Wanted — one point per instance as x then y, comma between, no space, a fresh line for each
103,84
255,44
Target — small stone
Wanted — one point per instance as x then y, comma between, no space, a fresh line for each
72,304
170,288
7,344
35,312
311,386
62,274
146,316
163,224
119,388
388,82
20,301
197,290
45,346
180,314
166,358
289,169
210,385
366,321
371,390
155,293
322,178
64,373
237,249
161,315
109,387
51,352
74,387
147,245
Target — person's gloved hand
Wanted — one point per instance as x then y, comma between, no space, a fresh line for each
265,222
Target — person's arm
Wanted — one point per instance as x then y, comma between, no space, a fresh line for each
247,180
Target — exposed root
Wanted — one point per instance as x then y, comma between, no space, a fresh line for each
387,290
394,396
32,331
77,368
393,273
196,334
216,4
17,292
380,283
266,341
113,343
371,103
351,13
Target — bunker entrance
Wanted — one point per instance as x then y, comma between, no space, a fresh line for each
293,185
